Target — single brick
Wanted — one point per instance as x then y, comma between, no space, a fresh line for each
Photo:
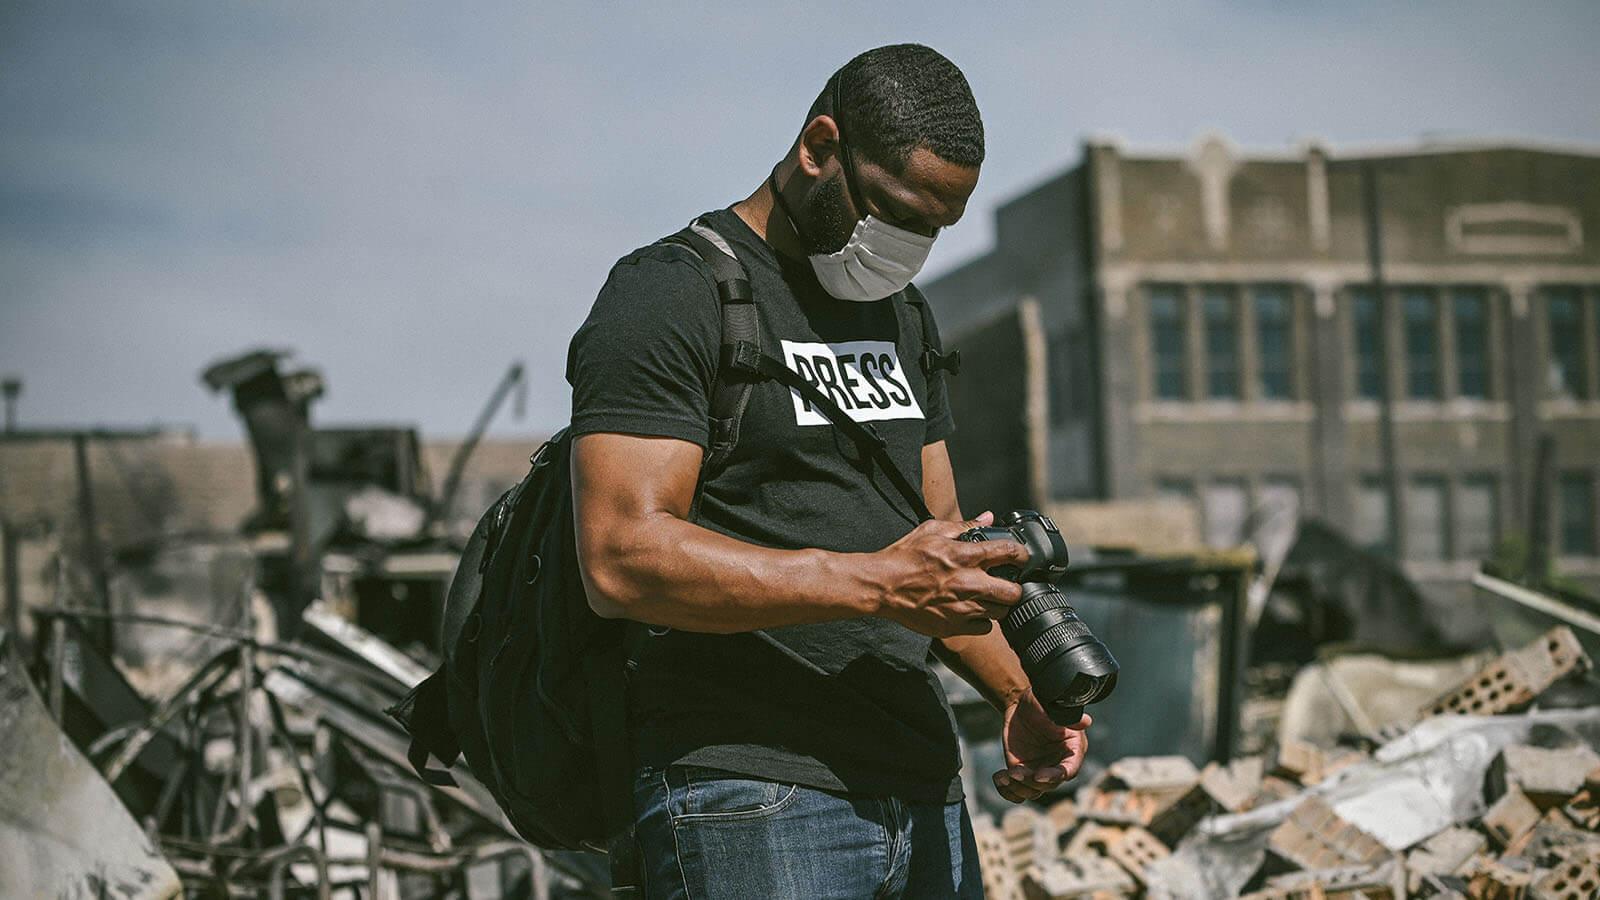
1512,681
1091,839
1313,836
1116,806
1071,879
1446,853
1175,819
1064,815
1547,776
993,854
1299,761
1137,849
1154,773
1511,817
1234,787
1030,837
1577,877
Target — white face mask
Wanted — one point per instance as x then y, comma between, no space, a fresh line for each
879,260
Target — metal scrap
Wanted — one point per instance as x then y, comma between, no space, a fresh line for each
63,833
286,779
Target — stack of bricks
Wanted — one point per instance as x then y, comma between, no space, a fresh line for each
1537,839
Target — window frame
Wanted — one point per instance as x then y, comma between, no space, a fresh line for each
1429,325
1268,290
1479,295
1228,294
1180,298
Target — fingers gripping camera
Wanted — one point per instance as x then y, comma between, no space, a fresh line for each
1066,664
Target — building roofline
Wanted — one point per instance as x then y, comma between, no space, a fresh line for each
1425,146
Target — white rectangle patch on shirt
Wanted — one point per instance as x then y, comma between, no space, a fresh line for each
864,377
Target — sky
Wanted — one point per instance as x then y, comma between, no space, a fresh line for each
411,197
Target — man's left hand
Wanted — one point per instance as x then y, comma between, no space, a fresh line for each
1040,755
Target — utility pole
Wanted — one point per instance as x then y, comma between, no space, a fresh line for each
1386,353
11,387
458,463
1544,470
9,558
93,558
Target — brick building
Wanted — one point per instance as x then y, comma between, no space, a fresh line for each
1201,325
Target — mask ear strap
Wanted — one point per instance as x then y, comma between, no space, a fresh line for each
844,149
777,194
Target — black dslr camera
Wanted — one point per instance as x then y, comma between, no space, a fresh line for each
1066,664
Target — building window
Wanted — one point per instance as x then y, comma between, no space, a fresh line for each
1568,375
1224,505
1471,308
1421,313
1279,494
1371,526
1167,343
1179,489
1367,315
1576,491
1275,338
1071,388
1222,342
1427,522
1477,517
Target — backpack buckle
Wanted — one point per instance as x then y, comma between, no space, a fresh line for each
742,356
934,361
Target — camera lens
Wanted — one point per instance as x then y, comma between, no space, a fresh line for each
1066,664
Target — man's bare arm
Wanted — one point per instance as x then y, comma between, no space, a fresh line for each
642,559
984,661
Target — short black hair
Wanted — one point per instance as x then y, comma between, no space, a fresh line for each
895,99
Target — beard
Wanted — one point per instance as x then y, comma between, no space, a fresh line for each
827,223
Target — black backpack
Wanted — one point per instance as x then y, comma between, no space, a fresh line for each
532,687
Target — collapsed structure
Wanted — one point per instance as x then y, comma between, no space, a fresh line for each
1476,798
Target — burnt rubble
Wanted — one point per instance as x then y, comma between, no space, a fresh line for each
1478,797
269,771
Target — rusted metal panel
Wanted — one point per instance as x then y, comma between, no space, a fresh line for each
63,832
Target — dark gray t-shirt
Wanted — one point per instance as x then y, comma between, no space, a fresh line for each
846,705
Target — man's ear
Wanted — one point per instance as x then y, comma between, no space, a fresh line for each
819,143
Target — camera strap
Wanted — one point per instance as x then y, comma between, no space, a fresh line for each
865,436
742,363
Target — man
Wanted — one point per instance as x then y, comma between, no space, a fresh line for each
790,738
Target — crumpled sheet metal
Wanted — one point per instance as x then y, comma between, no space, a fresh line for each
1414,787
63,832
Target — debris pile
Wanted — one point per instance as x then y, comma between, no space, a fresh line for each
271,772
1478,799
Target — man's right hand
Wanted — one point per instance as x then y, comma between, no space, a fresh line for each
939,586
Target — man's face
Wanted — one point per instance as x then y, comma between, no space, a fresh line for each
928,195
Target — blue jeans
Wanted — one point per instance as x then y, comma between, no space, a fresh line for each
706,833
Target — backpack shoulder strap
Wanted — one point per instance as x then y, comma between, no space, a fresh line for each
741,363
741,339
931,359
